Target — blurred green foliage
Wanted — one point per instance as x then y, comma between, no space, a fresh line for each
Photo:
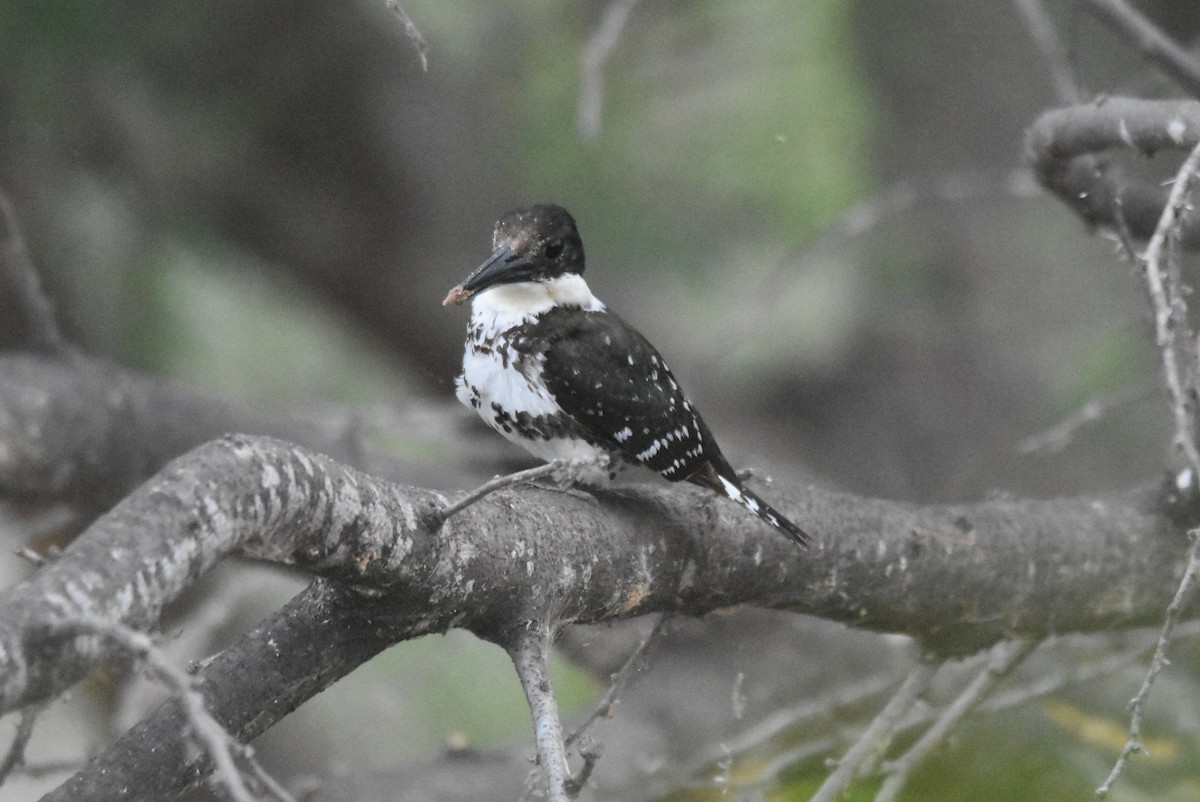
222,321
724,118
1107,364
438,690
717,118
1051,751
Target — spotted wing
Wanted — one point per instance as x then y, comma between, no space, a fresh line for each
614,384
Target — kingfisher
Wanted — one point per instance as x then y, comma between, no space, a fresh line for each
548,366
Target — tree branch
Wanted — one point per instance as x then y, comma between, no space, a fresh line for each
1041,29
633,664
1062,146
412,32
1183,596
325,632
1172,331
989,571
874,741
530,653
28,318
207,731
596,51
1004,659
1145,37
86,432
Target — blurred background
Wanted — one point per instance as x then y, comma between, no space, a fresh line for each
815,210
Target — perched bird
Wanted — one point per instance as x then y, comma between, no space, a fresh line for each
551,369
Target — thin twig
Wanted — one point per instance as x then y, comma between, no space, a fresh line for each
1050,683
1041,28
410,30
567,466
789,718
1121,231
16,750
590,753
20,277
1183,595
766,775
599,47
1060,435
273,786
1171,329
900,198
1158,48
530,655
1005,658
633,664
870,746
218,743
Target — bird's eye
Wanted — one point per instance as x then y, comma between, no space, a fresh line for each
554,249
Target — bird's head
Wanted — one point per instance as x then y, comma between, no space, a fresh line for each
535,243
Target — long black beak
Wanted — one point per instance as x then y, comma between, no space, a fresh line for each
502,267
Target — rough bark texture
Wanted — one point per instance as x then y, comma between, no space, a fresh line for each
956,578
1064,147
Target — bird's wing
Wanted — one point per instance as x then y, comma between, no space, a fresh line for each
613,383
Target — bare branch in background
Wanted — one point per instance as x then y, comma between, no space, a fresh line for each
1183,597
1041,28
1064,147
1172,331
327,631
896,200
411,31
30,321
220,746
596,51
1061,144
866,752
91,431
1005,657
633,664
1146,37
1059,436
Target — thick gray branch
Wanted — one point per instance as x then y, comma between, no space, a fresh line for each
321,635
956,577
1064,145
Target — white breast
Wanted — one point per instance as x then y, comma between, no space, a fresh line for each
499,383
491,372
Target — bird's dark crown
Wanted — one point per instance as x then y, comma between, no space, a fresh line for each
544,235
534,243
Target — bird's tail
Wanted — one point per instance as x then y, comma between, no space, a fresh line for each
732,488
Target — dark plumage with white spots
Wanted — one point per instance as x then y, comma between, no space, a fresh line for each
551,369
